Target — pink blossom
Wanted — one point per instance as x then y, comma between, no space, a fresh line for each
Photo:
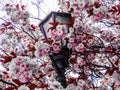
76,66
69,45
18,63
91,56
86,5
41,53
98,16
71,39
80,48
56,48
80,61
28,79
47,50
54,34
73,44
60,33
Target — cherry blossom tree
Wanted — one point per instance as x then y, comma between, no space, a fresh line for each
93,38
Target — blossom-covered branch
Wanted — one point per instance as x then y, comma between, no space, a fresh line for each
93,38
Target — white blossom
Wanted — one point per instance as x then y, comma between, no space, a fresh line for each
23,87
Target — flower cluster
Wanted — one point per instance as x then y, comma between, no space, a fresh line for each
41,49
95,50
21,68
17,15
59,32
7,42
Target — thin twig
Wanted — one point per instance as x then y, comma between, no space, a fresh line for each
28,33
32,33
35,18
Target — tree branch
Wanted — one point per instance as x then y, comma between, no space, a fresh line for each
28,33
8,83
